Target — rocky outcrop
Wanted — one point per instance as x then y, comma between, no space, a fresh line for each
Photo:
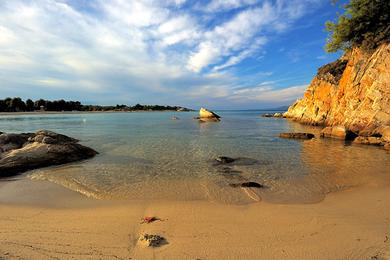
351,93
27,151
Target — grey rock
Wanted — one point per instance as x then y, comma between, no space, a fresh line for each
23,152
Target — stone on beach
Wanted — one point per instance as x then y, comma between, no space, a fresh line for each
297,135
28,151
152,240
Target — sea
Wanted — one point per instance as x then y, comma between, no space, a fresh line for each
151,156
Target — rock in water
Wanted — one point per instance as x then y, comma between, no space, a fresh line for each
249,184
23,152
224,159
297,135
207,115
368,140
152,240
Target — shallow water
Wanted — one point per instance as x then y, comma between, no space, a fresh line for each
149,156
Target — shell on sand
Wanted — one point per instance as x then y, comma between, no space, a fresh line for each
204,113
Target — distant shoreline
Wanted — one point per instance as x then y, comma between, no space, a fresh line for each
82,112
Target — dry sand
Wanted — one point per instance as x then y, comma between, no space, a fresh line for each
39,220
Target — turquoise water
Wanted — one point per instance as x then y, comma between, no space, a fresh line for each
147,155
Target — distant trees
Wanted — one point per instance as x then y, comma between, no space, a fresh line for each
365,23
29,105
16,104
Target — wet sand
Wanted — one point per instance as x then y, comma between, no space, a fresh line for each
41,220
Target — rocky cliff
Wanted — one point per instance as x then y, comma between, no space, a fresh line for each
353,92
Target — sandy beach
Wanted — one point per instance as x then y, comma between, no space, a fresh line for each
40,220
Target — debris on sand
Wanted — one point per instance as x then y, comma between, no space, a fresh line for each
149,220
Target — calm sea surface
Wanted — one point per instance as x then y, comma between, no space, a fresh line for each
149,156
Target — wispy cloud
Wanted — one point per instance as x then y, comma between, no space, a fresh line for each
139,48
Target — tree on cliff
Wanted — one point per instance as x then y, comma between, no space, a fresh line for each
365,23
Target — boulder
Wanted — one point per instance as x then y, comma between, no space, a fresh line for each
297,135
23,152
338,132
205,115
368,140
267,115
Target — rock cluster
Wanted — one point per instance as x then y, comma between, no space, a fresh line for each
297,135
353,99
273,115
27,151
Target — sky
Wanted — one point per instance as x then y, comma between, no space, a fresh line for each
220,54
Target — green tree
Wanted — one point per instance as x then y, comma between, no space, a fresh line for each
29,105
365,23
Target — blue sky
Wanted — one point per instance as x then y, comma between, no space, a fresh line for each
222,54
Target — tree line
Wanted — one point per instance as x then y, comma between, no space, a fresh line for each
16,104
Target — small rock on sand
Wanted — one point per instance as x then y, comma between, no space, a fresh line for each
152,240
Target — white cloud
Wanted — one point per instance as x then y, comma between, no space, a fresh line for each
233,38
268,93
223,5
123,48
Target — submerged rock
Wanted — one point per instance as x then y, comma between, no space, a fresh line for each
297,135
224,160
249,184
152,240
28,151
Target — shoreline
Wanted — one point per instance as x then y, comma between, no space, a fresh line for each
43,220
81,112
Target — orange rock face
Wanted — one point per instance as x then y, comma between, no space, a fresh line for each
359,101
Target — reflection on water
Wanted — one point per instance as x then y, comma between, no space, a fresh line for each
149,156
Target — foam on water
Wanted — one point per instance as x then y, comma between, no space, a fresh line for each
150,156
